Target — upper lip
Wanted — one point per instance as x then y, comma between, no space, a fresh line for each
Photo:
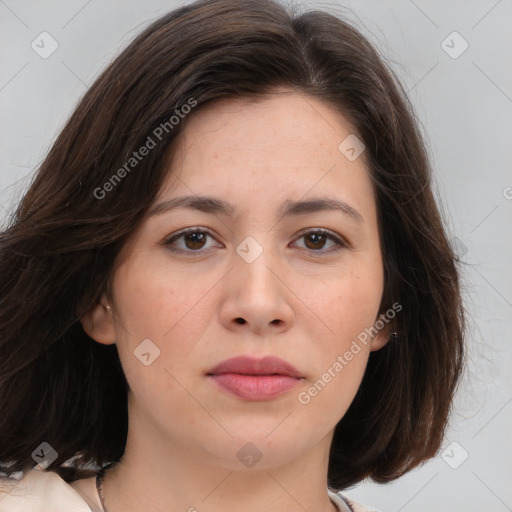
245,365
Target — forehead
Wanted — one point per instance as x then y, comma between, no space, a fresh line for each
284,143
273,123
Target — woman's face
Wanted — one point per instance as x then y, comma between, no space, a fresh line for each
253,282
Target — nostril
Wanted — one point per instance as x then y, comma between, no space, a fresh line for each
240,321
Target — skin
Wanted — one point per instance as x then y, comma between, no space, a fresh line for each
303,306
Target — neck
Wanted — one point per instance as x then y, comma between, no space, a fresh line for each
176,478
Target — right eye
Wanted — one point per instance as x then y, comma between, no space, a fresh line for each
190,240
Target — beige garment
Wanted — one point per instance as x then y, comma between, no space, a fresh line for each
40,491
46,491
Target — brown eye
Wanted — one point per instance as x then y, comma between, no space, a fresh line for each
194,240
315,241
191,240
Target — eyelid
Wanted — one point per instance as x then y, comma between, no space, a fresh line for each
323,231
185,231
339,240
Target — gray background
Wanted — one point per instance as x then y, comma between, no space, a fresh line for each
465,106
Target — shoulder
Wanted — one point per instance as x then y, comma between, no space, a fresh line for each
39,491
346,504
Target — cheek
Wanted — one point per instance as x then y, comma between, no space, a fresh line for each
339,361
345,306
169,308
348,307
153,301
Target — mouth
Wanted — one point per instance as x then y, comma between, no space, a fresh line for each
255,379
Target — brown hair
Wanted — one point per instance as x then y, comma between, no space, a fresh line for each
59,250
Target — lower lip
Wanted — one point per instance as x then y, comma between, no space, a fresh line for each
255,387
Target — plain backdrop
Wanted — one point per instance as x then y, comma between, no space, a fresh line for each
454,59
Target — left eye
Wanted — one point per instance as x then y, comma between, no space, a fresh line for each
194,239
318,237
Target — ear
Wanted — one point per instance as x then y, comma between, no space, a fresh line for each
381,339
99,324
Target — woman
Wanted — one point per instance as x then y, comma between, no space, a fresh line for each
228,286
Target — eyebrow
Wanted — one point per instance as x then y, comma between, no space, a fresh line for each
216,206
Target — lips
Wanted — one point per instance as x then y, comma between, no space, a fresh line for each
245,365
255,379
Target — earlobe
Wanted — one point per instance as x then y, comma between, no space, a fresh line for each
99,324
382,339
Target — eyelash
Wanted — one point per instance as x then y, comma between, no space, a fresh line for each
319,231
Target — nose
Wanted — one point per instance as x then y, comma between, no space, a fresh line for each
257,296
